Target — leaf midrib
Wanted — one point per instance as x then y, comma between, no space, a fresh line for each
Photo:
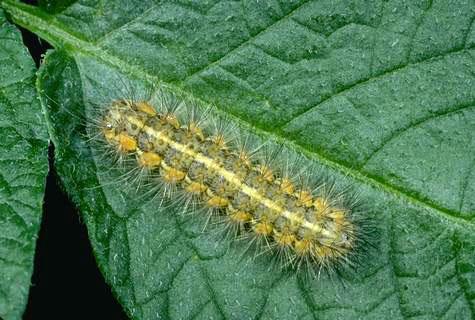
47,27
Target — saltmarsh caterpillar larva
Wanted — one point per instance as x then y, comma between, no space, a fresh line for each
260,194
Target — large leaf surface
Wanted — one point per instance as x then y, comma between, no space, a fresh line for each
23,169
382,93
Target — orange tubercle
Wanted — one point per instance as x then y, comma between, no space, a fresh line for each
263,228
196,187
285,239
173,175
218,202
149,159
146,107
241,216
126,142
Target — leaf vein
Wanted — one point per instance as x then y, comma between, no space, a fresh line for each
466,183
400,131
107,35
343,89
460,281
243,44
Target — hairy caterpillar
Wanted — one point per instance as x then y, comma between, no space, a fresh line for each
199,163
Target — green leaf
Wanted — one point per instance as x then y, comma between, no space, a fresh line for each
23,169
381,92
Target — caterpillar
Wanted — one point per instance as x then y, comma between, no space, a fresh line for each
208,170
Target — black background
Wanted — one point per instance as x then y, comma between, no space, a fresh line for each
66,282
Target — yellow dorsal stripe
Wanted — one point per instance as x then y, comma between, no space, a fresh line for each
229,176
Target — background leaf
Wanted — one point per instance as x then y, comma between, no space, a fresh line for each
23,169
382,92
